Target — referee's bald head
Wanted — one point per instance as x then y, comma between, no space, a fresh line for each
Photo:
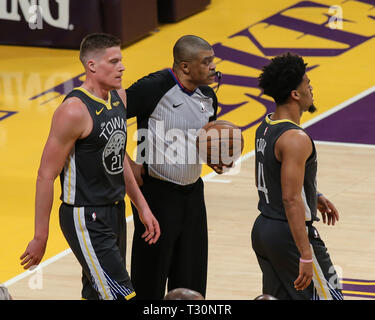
183,294
187,48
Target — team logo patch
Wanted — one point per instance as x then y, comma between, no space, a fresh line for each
113,154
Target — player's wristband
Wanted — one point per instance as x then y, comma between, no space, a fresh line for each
305,261
319,194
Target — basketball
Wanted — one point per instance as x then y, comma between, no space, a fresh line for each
219,142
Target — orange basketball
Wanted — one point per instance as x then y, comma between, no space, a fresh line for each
219,142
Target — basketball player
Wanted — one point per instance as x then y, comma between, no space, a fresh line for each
173,99
293,258
86,146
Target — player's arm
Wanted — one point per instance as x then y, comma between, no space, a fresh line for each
152,232
138,169
292,149
67,126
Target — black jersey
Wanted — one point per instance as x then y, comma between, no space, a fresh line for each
93,171
169,117
268,171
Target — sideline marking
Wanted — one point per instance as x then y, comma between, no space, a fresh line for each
45,263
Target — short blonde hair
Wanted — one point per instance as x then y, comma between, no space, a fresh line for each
96,42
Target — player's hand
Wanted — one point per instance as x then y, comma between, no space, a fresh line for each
152,232
328,210
34,253
305,276
220,168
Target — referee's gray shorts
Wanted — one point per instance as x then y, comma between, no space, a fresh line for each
278,257
97,237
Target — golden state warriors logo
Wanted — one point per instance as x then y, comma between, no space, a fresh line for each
114,132
114,151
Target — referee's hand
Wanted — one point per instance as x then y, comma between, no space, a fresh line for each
220,168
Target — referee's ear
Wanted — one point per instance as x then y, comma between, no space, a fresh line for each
184,66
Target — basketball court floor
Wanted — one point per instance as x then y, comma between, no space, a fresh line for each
245,35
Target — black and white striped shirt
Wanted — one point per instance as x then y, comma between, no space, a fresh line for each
168,118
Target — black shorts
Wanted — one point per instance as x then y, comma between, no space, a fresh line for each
97,237
278,258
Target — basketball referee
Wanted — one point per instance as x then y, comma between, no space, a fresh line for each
293,258
167,104
86,147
